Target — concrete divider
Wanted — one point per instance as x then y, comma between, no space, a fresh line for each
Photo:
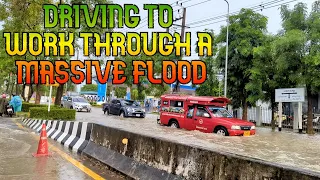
187,161
143,157
74,135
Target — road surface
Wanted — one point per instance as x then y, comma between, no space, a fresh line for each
284,147
16,161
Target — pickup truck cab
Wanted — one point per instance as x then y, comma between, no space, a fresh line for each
205,114
123,108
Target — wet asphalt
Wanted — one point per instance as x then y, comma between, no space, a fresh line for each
285,148
17,162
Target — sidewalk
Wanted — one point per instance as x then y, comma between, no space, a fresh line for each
17,162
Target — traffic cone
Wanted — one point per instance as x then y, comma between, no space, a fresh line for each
43,143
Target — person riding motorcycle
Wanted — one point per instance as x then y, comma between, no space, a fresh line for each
3,104
16,103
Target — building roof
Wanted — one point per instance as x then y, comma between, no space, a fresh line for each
88,93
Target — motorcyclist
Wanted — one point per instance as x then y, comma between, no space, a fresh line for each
3,104
16,103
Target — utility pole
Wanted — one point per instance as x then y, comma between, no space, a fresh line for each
183,26
227,50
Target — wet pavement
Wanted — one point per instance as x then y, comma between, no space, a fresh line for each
288,148
17,162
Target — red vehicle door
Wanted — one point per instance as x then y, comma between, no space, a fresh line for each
203,119
190,123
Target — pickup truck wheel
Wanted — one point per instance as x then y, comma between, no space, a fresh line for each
174,124
222,131
122,114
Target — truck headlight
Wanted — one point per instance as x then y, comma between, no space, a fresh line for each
235,127
253,127
130,109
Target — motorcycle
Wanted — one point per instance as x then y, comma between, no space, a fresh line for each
9,111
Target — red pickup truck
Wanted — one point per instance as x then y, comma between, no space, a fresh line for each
206,114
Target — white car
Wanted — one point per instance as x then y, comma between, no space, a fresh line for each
77,103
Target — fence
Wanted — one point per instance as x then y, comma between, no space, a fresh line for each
266,116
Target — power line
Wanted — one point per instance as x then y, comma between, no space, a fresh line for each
180,9
234,13
145,19
261,6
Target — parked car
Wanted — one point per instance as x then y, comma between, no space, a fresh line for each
123,108
77,103
205,114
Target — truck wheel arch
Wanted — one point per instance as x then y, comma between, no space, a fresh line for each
173,120
219,127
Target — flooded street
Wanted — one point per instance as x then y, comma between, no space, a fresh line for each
287,148
16,160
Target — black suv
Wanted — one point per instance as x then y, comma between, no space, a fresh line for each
124,108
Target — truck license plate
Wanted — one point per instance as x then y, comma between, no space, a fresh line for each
246,133
138,115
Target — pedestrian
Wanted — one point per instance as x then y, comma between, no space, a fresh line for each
3,104
147,105
16,103
159,104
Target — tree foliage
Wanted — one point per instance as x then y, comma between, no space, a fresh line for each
246,32
89,87
297,50
211,86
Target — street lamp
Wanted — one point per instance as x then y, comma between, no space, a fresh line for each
227,49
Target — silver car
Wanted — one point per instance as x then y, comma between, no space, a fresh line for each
77,103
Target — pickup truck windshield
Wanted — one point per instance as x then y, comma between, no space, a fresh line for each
220,112
129,103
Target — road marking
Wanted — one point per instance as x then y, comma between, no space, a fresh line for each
70,159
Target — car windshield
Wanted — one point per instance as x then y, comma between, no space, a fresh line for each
220,112
82,100
129,103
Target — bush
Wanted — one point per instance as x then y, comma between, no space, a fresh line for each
27,106
54,114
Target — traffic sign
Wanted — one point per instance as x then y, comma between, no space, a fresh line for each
290,95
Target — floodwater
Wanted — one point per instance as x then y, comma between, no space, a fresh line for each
287,148
17,162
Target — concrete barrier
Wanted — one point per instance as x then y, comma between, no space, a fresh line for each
144,157
187,161
74,135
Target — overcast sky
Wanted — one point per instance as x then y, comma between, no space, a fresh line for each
198,10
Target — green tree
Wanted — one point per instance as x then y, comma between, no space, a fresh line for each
246,31
265,77
134,94
120,92
211,86
89,87
13,13
152,89
298,50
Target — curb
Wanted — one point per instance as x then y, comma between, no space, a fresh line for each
74,135
144,156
